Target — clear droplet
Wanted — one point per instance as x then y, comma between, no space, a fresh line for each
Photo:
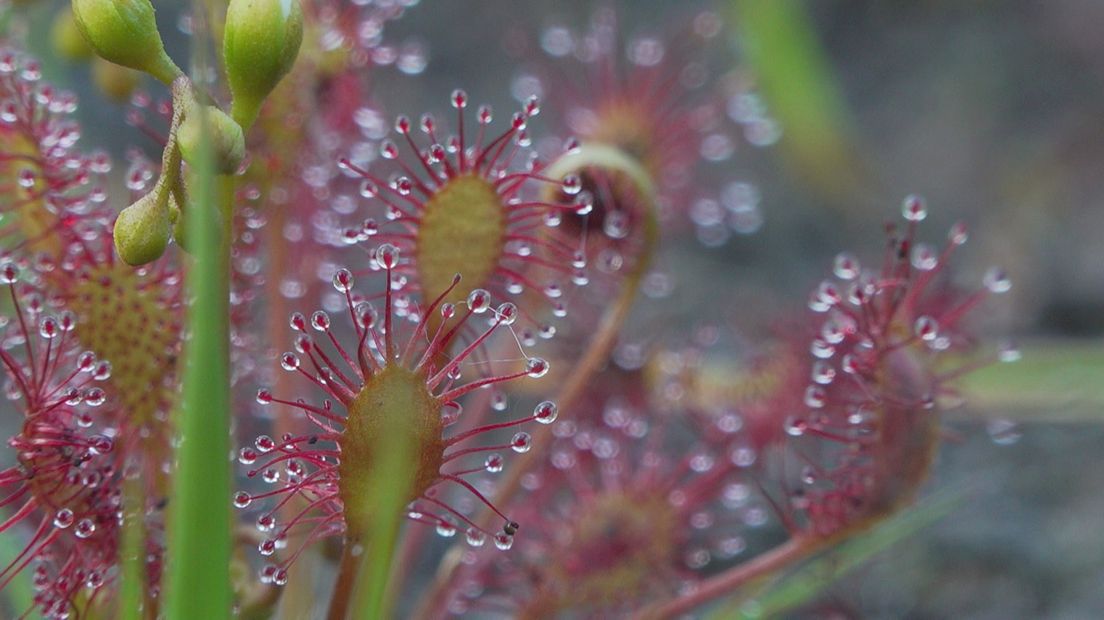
546,412
521,442
997,281
63,518
85,528
536,367
914,208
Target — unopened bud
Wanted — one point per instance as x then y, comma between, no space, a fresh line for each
114,81
260,43
125,32
227,140
176,218
66,37
142,229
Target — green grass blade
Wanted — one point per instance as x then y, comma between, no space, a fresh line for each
799,587
780,44
1055,381
19,593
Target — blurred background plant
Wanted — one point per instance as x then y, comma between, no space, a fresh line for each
774,135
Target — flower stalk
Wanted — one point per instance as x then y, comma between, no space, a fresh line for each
200,520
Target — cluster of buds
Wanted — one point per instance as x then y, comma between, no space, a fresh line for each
260,44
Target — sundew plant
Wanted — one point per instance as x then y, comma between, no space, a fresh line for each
295,324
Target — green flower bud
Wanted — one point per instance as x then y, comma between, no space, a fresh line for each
66,37
226,136
142,229
114,81
260,43
125,32
176,216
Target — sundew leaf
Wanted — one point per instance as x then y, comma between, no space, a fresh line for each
772,597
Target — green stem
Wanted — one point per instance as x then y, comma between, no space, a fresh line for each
198,580
132,553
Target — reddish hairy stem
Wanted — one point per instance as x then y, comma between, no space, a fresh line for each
342,596
786,554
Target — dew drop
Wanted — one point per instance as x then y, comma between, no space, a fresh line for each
264,444
521,442
266,573
387,256
343,280
507,313
446,529
320,321
1009,353
924,257
1003,432
94,397
796,427
846,266
459,99
267,547
914,208
48,327
102,371
546,412
536,367
997,281
494,463
474,537
821,349
63,518
958,234
503,541
242,499
926,328
479,300
9,274
828,294
266,523
823,373
815,397
26,178
247,456
572,184
85,528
